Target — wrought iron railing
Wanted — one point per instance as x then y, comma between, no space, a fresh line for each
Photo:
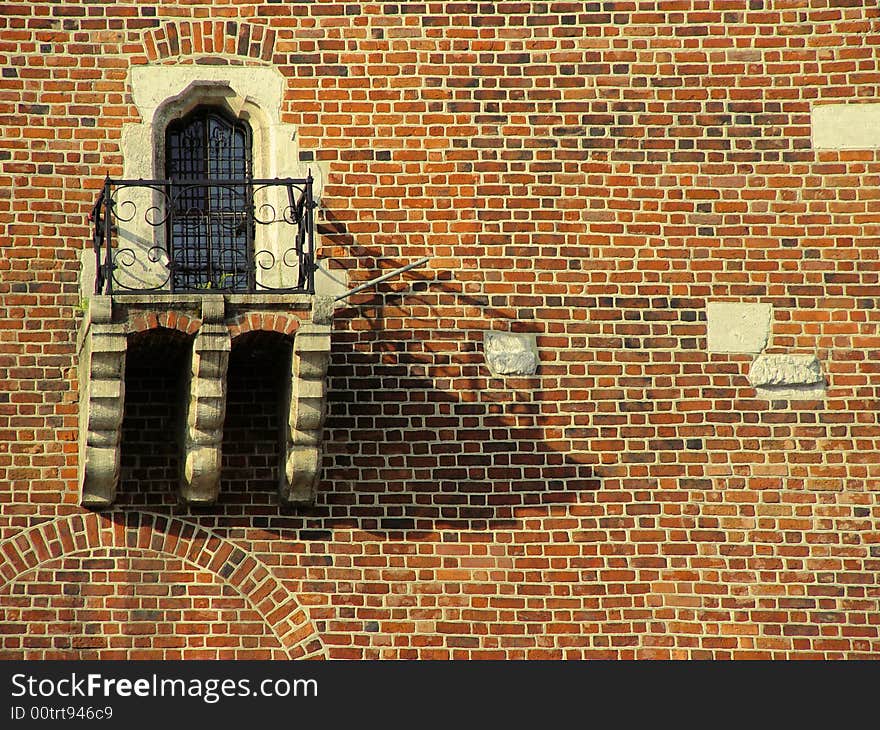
250,235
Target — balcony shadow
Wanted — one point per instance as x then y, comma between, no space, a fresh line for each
419,436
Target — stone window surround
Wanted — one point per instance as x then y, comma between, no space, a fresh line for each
250,93
254,94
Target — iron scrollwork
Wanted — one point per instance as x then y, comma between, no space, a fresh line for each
235,235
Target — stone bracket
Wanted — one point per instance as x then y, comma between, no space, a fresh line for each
305,410
206,407
102,399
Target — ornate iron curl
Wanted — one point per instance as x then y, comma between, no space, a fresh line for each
152,210
266,213
261,256
289,261
126,258
156,253
259,214
209,228
292,252
223,273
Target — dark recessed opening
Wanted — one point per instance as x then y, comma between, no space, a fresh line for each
156,363
257,381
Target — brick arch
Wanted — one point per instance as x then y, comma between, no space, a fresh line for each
210,37
172,320
287,620
279,322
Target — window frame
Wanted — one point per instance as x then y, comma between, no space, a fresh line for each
210,239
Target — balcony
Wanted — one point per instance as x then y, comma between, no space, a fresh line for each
203,236
213,264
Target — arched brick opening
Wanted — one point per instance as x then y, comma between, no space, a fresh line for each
156,364
129,550
173,39
257,407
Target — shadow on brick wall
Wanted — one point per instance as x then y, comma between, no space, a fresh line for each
419,437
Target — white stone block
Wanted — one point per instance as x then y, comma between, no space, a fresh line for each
737,327
846,126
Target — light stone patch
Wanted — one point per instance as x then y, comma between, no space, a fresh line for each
737,327
846,126
510,354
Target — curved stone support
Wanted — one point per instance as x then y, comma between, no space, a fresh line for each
301,453
206,408
102,399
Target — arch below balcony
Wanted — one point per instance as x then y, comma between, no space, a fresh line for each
281,322
150,534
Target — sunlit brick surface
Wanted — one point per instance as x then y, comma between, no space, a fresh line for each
594,174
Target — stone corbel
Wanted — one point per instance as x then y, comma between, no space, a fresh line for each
206,407
102,400
306,409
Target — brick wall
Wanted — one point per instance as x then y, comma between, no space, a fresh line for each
594,174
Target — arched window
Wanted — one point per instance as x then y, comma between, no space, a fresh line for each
209,228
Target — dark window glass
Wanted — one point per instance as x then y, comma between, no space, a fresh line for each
208,161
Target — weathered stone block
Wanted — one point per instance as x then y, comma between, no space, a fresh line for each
787,377
508,353
201,474
322,308
307,414
785,370
738,327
